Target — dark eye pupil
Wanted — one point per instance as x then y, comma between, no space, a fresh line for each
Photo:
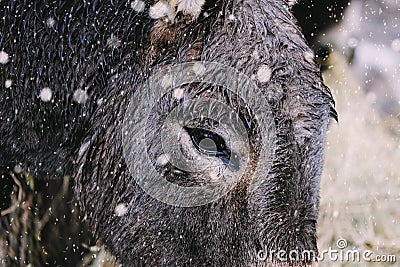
212,144
207,142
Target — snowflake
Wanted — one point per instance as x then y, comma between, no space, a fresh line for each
4,58
178,93
199,68
8,83
80,96
50,22
46,94
138,5
121,209
396,45
264,73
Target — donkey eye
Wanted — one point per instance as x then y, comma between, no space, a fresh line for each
212,144
208,142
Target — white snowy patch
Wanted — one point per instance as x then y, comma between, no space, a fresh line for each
50,22
231,17
335,214
4,58
121,209
264,73
199,68
8,83
18,169
395,45
162,9
46,94
162,160
138,5
80,96
191,7
113,42
178,93
167,81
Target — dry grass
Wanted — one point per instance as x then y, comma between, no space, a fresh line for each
360,190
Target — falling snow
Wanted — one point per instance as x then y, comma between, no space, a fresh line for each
18,169
8,83
4,58
46,94
264,73
80,96
360,192
50,22
199,68
396,45
360,183
138,5
121,209
178,93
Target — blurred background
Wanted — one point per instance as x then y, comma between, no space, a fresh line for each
357,44
360,190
